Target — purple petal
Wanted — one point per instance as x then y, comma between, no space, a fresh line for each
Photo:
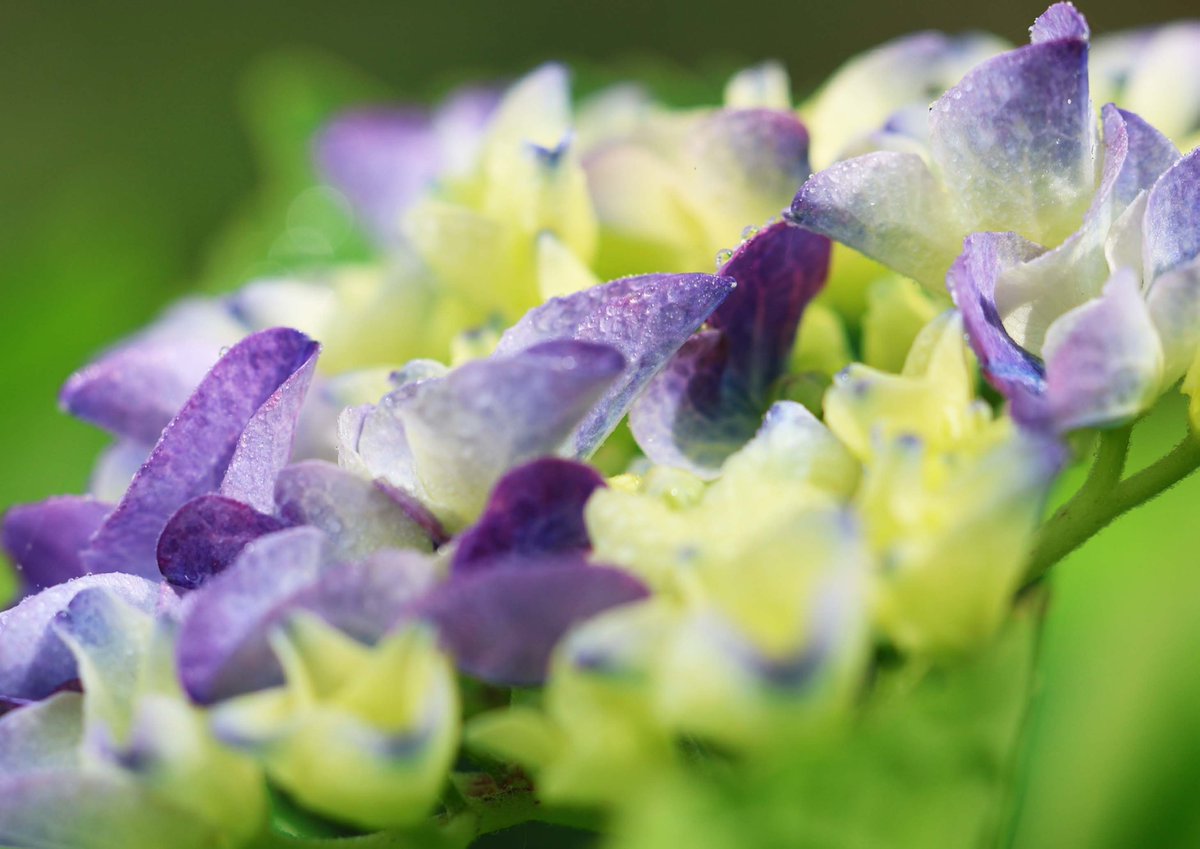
1014,141
265,445
1149,155
196,449
365,600
1172,222
222,648
205,535
358,515
35,662
888,206
44,540
1031,296
1060,21
535,511
502,624
778,272
645,318
690,416
1015,373
136,389
1103,359
381,160
447,441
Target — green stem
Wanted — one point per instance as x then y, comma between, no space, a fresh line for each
1104,496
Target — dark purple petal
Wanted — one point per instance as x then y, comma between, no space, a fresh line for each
502,624
1172,222
45,539
1062,20
1015,373
778,272
645,318
381,160
1015,140
358,515
205,535
35,662
691,416
535,511
887,205
222,648
196,449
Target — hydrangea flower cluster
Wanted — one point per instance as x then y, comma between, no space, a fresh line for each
511,542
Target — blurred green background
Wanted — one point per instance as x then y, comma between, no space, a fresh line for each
127,147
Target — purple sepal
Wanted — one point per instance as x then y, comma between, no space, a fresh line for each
502,624
535,512
709,399
222,648
101,393
1172,223
778,272
691,416
1060,21
380,160
365,600
1015,139
45,539
195,451
1016,374
205,535
35,662
360,516
645,318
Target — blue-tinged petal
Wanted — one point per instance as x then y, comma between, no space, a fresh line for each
645,318
115,468
1014,372
360,516
135,389
380,160
1174,304
447,441
888,206
689,416
1104,362
1171,228
44,539
1060,21
35,662
763,86
365,600
222,645
239,417
1014,141
778,272
1030,296
502,624
205,535
535,512
866,91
